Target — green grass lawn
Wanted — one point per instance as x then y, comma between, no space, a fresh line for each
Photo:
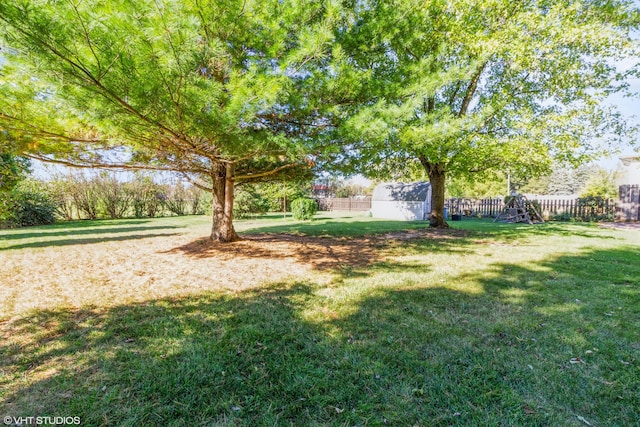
488,324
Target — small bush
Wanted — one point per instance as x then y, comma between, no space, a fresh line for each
60,193
176,200
199,200
84,193
147,197
595,208
280,196
304,208
562,216
7,210
114,196
26,205
35,209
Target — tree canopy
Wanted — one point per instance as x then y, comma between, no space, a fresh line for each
227,91
12,170
472,86
215,89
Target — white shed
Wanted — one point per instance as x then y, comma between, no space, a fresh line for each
399,200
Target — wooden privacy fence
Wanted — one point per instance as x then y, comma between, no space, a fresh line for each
626,208
345,204
628,203
587,209
475,207
581,209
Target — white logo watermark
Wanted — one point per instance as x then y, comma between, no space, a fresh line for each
37,421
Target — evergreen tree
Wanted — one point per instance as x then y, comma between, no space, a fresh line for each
215,90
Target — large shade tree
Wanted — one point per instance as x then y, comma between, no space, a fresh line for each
213,89
469,86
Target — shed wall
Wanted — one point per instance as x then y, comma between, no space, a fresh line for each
629,173
407,211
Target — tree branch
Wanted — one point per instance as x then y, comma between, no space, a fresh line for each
271,172
88,39
73,164
196,183
47,134
471,89
95,82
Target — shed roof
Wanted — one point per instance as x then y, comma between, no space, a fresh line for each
627,160
401,191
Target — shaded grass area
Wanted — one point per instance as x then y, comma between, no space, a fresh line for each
127,235
331,224
326,224
501,325
87,232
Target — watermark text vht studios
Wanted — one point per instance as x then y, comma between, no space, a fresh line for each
38,421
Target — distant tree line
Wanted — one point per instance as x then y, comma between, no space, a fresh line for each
31,202
35,202
586,181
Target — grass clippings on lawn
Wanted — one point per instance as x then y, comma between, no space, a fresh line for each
114,264
355,322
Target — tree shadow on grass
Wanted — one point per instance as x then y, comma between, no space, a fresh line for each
509,231
91,240
68,232
324,253
292,354
345,227
339,246
35,231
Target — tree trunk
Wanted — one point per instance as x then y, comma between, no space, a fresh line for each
437,175
223,182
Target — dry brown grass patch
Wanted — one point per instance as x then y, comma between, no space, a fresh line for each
111,271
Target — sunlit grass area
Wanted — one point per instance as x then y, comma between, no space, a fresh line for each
344,320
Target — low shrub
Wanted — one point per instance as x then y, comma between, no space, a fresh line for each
594,208
176,200
304,208
26,205
561,216
35,209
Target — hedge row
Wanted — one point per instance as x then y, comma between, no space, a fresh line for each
34,202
